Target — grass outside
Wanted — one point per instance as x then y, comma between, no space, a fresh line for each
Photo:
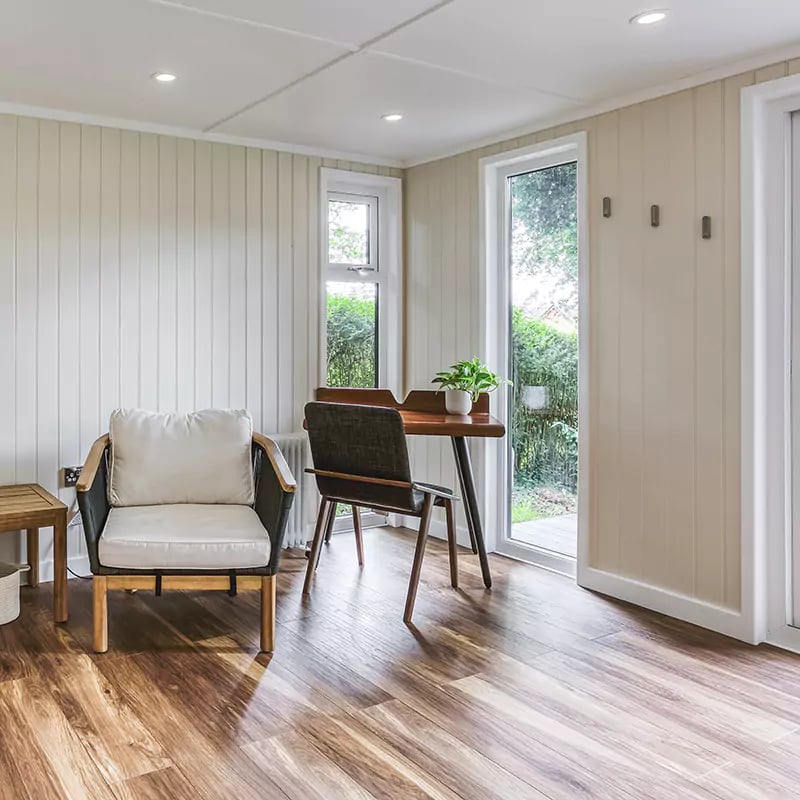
541,502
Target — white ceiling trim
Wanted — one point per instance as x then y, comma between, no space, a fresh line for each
60,115
621,101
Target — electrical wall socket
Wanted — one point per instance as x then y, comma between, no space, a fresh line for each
71,475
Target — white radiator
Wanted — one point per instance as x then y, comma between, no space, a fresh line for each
296,451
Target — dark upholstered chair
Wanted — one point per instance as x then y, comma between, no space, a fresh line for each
361,459
194,501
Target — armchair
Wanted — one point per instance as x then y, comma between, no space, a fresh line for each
195,501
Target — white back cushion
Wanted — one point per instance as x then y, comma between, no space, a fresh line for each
162,459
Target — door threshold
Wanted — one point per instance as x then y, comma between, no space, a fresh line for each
538,557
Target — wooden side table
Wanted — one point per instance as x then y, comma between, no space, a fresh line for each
29,507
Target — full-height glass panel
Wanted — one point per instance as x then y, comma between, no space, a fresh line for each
544,357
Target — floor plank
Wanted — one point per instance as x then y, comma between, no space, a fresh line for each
536,690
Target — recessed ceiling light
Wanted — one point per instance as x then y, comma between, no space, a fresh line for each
648,17
393,117
164,77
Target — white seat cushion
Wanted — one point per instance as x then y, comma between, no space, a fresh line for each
184,536
203,457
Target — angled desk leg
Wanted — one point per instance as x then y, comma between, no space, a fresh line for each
467,482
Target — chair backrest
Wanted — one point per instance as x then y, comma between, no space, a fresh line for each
161,459
366,441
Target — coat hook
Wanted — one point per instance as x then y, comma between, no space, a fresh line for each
655,216
606,206
706,227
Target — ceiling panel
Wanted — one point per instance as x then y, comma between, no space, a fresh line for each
341,108
351,21
587,49
96,57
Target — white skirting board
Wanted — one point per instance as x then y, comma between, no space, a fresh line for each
78,564
688,609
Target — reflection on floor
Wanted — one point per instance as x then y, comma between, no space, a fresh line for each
535,690
557,534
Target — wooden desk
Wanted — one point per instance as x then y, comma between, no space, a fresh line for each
29,507
424,414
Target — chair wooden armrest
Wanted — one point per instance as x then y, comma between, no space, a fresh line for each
344,476
92,464
279,465
436,491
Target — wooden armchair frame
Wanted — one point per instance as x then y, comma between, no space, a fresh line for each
275,489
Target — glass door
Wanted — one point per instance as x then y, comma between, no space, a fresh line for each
543,314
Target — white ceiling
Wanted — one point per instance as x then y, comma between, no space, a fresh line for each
320,73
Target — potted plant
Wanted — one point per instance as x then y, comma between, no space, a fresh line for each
464,382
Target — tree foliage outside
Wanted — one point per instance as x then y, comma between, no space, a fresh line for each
348,225
545,440
544,254
351,339
544,240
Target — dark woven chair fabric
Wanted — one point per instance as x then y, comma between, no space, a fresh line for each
367,441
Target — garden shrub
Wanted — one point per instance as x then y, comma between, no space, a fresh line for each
545,440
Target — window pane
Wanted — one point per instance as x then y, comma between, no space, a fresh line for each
352,335
348,232
544,358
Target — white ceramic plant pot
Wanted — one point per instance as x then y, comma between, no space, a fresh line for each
457,401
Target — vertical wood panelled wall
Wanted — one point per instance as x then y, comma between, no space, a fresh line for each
145,270
664,328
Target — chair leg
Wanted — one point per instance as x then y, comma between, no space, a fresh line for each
419,554
100,612
330,522
268,584
451,542
316,544
330,519
359,536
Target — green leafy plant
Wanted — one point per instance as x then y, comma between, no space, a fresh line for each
469,376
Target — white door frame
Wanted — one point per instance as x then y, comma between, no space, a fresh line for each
766,471
495,334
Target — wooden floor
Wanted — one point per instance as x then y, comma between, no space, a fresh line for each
536,689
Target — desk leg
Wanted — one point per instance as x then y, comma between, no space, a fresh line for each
467,482
61,610
33,556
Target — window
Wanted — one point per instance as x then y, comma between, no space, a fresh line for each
353,291
361,258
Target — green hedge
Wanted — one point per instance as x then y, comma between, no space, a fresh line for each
351,342
545,441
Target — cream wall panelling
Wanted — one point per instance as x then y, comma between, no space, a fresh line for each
147,270
664,334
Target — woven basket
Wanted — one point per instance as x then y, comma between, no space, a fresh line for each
9,592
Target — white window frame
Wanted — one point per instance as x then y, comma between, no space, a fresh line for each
766,396
373,234
384,194
495,333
